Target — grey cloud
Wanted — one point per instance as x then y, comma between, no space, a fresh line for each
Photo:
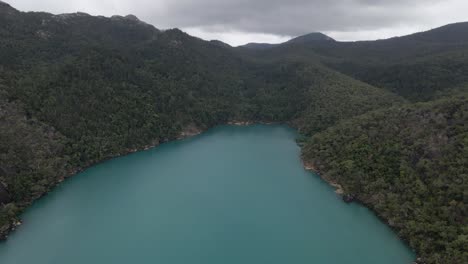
278,17
293,17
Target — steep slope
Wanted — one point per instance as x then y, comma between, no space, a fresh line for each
452,33
332,97
77,89
108,86
409,164
419,79
447,38
418,67
311,38
32,160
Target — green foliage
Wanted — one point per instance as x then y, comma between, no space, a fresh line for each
333,97
418,67
77,89
31,156
409,164
419,79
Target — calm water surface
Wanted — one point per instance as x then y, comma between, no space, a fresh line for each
232,195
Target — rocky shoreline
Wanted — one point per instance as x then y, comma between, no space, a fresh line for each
350,198
311,167
190,130
15,222
249,123
7,229
193,130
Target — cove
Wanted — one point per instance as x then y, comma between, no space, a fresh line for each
231,195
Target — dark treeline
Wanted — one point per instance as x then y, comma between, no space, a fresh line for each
418,67
77,89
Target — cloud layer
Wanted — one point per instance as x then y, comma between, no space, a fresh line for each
273,18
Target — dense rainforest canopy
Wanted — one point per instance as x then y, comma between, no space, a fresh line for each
77,89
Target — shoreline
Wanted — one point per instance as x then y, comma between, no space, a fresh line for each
15,222
191,131
339,190
308,166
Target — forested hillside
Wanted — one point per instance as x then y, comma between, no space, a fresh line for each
409,164
419,67
77,89
417,79
31,155
108,86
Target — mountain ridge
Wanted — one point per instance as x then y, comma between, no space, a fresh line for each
303,39
458,28
79,91
311,37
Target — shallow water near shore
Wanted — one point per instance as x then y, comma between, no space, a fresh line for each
231,195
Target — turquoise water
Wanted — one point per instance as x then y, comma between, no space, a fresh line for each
231,195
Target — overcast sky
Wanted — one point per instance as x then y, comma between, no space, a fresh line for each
241,21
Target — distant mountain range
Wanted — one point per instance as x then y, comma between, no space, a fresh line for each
452,33
385,119
309,38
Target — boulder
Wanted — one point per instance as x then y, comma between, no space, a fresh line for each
348,198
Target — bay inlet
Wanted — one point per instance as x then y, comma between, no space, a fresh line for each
231,195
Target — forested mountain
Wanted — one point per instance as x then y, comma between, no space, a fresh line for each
418,67
311,38
409,164
77,89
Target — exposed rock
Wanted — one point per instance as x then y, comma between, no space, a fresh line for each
7,228
240,123
311,167
42,34
72,15
419,261
131,18
15,225
189,131
4,230
349,198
